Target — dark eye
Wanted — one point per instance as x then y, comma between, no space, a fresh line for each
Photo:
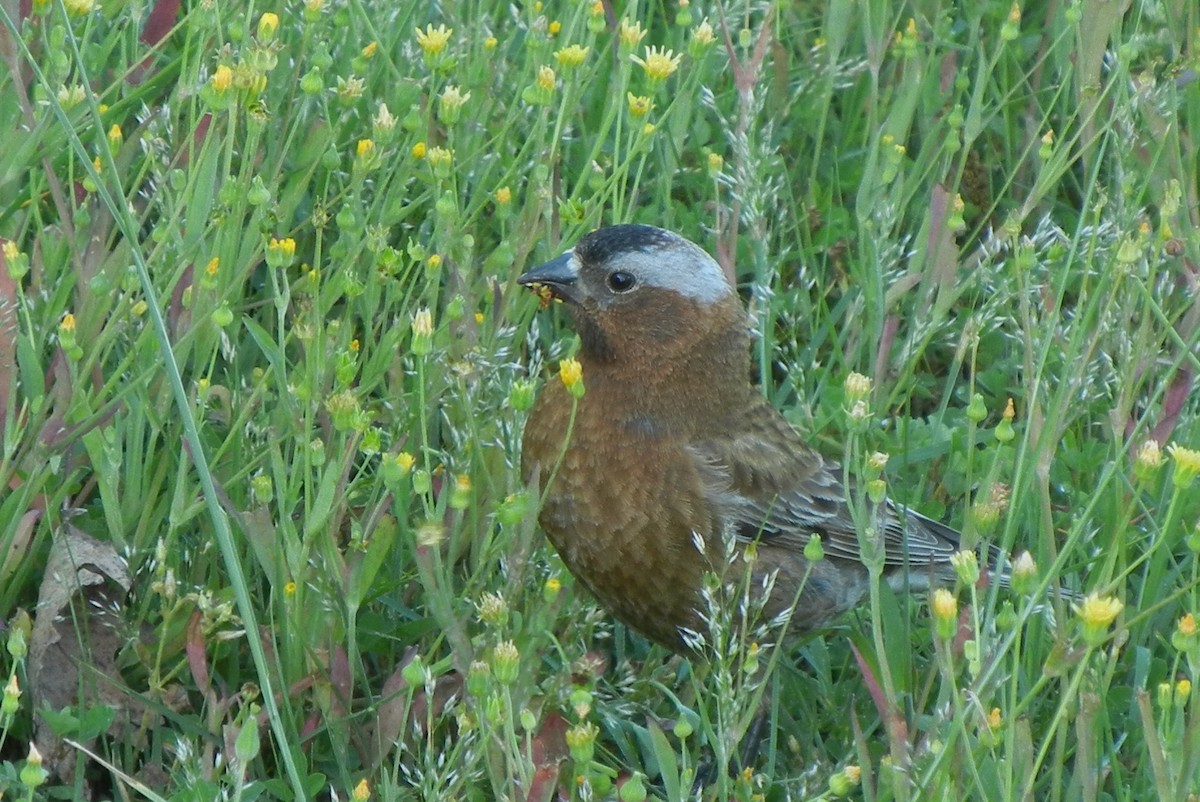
620,281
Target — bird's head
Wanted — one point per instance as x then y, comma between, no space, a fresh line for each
636,290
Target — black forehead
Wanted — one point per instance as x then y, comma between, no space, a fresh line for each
605,243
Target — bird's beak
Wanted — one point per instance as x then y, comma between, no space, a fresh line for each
559,278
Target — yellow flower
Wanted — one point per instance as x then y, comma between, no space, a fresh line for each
639,105
285,246
1096,613
994,719
222,79
659,64
703,35
571,56
450,104
213,266
945,613
857,387
440,157
966,566
418,150
503,196
369,52
422,331
1024,573
490,43
422,323
11,251
716,163
115,136
1149,459
362,791
570,373
384,121
80,7
630,34
433,41
267,25
546,78
1187,464
68,323
554,28
364,148
406,461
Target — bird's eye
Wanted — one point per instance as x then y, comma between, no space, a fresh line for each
620,281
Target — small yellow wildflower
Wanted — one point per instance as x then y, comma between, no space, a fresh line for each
1024,573
450,104
639,105
422,323
570,372
571,56
630,34
67,324
845,781
285,246
222,78
281,252
554,28
490,43
406,461
1149,459
857,386
362,791
659,64
433,41
506,660
994,719
1096,613
434,261
384,121
115,136
546,78
503,196
79,8
703,33
1187,464
945,613
370,50
267,25
364,148
418,150
440,157
214,264
716,163
966,566
11,251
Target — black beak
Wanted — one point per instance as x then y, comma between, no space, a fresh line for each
560,276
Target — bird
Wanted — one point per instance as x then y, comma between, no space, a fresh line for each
672,454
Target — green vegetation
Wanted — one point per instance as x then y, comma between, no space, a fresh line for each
295,559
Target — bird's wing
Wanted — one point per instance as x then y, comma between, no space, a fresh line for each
767,484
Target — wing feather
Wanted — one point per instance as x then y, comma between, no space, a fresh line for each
766,483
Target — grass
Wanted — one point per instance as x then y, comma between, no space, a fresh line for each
264,369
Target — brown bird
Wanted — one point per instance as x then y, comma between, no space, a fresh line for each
672,443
